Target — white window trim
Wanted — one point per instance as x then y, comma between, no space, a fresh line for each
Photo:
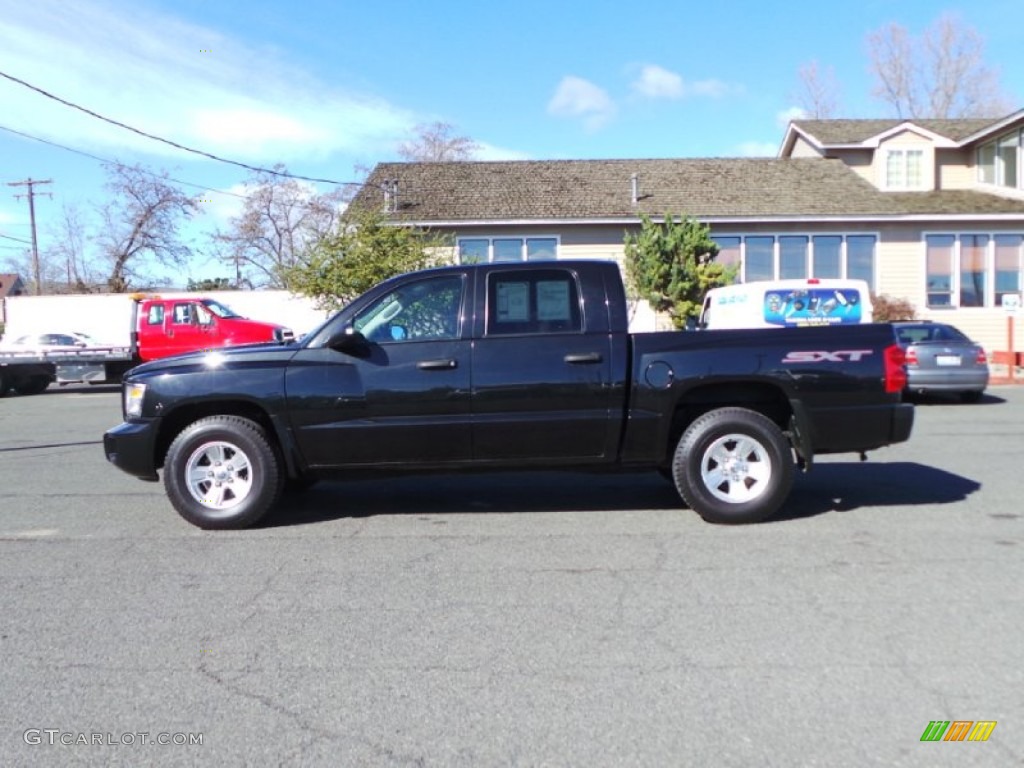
511,236
905,152
844,271
989,299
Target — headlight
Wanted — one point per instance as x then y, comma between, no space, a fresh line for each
133,394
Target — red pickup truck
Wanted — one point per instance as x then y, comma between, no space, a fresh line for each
150,327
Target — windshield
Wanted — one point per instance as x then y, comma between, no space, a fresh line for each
219,309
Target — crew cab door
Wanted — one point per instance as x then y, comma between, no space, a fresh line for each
542,373
181,329
399,392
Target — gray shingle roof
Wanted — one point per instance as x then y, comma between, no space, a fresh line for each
704,188
830,132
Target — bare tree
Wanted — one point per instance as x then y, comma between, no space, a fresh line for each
282,218
68,252
141,223
941,74
819,94
436,143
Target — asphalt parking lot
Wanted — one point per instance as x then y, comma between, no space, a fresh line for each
520,619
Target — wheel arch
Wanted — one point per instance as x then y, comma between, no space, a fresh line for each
765,398
172,424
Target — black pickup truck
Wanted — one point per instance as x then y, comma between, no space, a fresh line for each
527,365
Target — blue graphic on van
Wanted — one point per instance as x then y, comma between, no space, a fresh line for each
812,306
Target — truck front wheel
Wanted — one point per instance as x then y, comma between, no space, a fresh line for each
221,472
733,465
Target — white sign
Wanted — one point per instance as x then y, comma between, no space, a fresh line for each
1011,302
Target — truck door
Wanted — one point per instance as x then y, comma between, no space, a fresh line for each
181,329
542,386
402,398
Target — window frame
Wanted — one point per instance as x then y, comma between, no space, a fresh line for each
844,262
533,325
906,180
991,293
524,249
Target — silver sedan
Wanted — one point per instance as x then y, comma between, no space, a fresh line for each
940,358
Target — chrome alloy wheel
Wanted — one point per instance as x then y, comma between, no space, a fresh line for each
218,475
736,468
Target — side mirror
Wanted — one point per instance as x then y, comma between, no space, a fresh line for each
351,342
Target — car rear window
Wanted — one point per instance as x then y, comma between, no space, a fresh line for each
912,334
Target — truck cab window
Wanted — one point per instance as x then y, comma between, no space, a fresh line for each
182,314
536,301
427,310
155,315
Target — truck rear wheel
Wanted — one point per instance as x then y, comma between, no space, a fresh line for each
32,385
733,465
221,472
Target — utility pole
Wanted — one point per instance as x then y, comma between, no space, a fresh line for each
30,183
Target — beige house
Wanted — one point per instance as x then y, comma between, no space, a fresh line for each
927,210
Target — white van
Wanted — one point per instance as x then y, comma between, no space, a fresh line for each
787,303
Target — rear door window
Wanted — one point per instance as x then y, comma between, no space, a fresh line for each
533,302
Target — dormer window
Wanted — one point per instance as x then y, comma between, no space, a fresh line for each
904,169
999,161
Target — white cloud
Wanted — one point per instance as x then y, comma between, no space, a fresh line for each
177,80
654,82
657,83
579,98
757,149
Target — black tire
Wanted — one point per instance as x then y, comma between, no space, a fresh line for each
243,473
33,385
756,480
970,396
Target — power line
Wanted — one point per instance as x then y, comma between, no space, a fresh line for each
16,239
176,145
107,161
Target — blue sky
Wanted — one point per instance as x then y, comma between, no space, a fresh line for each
325,86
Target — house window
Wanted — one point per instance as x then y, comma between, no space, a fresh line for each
475,250
799,256
1007,265
729,253
903,168
939,269
792,256
760,259
972,270
999,161
987,163
1006,165
860,258
827,256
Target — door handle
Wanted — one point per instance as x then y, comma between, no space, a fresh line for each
436,365
583,358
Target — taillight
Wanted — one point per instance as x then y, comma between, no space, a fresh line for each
981,359
911,356
895,372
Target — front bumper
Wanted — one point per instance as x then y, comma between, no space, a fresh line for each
131,448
